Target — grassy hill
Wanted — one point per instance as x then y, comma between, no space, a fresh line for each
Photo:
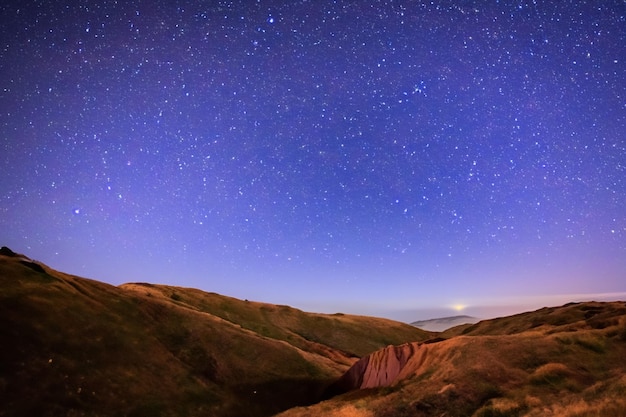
561,361
78,347
567,318
355,336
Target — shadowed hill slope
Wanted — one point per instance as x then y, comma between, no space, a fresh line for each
354,335
74,346
562,361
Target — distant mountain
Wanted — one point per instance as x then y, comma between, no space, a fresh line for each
557,361
444,323
77,347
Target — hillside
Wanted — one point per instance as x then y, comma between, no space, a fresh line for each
75,346
78,347
354,336
561,361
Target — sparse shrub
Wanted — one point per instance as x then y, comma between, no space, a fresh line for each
600,407
175,297
501,407
590,342
550,373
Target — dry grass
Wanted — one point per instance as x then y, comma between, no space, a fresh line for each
568,318
78,346
545,370
345,410
605,398
354,335
81,347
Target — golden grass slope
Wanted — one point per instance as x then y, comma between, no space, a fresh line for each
74,346
567,318
355,336
564,361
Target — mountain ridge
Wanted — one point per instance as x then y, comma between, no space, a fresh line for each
77,346
81,346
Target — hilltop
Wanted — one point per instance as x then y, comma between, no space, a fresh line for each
558,361
76,346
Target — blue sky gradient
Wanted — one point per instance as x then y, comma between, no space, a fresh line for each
348,156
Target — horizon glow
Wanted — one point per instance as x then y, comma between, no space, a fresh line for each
384,158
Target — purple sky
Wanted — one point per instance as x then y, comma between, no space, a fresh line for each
395,158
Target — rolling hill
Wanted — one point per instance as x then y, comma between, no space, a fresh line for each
559,361
75,346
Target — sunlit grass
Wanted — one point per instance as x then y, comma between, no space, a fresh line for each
554,362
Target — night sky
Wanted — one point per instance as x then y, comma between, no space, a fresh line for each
394,158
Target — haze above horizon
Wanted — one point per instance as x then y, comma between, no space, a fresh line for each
385,157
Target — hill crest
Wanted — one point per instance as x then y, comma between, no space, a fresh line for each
556,361
181,350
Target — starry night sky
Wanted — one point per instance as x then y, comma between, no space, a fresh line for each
376,157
